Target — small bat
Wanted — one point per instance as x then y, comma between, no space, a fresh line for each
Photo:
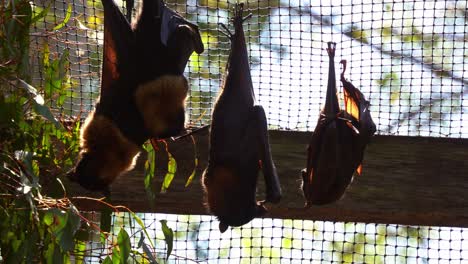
143,90
239,144
337,145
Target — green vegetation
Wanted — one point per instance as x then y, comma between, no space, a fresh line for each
37,148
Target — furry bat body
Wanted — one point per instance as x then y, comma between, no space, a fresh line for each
337,145
239,144
143,90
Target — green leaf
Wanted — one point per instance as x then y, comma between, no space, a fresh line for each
168,237
48,218
192,176
150,170
38,13
45,112
65,20
123,240
80,251
107,260
149,254
171,170
32,91
38,104
360,35
49,253
45,55
59,219
142,225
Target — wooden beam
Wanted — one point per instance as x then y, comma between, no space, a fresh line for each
406,180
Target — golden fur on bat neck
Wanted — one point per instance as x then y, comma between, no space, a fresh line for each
159,100
114,153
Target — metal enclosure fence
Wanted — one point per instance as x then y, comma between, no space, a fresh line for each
410,58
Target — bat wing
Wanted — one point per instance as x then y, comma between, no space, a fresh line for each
334,146
118,47
330,161
180,36
358,107
273,188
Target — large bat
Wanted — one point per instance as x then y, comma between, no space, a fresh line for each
239,144
143,90
337,145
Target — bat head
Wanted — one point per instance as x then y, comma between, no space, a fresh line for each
105,153
229,198
86,173
239,216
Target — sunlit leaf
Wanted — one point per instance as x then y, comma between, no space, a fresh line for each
45,55
32,91
65,20
38,13
171,170
79,252
81,25
142,225
360,35
192,175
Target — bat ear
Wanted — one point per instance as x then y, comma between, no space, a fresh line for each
118,42
223,227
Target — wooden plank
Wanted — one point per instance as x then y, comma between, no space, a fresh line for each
406,180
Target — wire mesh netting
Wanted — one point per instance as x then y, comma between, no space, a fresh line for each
197,239
410,58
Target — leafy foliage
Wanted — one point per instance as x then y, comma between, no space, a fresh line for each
38,147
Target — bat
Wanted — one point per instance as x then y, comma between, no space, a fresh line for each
336,148
143,90
238,144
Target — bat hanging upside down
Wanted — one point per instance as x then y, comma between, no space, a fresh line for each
337,146
143,90
239,144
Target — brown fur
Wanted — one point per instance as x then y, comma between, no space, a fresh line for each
217,188
114,153
161,101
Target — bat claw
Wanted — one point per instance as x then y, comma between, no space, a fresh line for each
226,31
238,9
246,17
331,49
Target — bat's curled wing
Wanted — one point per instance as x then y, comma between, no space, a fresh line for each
180,36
